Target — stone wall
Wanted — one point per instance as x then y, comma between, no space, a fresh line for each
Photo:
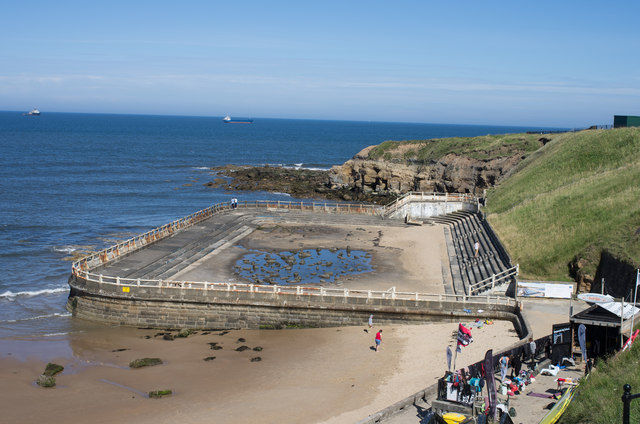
164,307
426,209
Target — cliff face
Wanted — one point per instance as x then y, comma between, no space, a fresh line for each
450,173
619,275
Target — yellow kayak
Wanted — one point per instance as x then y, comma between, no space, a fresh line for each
558,409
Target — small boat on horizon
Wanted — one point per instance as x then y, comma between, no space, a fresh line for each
33,112
227,120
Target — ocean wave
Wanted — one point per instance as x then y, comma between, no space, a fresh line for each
308,168
282,194
201,168
64,249
10,295
57,334
297,166
56,314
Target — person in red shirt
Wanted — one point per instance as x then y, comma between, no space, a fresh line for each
378,339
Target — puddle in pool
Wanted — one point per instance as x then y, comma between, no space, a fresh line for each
307,266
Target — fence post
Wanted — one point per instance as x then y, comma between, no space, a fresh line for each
627,397
626,400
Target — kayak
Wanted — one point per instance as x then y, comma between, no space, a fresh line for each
558,409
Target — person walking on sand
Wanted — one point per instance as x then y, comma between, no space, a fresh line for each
378,339
476,247
370,321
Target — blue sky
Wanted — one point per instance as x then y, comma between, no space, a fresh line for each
546,63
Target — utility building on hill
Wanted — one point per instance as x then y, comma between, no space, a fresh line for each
620,121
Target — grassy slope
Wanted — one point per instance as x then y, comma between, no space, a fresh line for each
598,399
482,148
577,195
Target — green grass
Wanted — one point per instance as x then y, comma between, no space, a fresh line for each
576,196
598,399
482,148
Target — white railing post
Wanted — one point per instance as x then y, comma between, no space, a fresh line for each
493,281
118,281
138,282
99,278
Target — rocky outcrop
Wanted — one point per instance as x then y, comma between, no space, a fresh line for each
299,183
451,173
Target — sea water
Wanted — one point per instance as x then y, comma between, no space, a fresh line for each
71,183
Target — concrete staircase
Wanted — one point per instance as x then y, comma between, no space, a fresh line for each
462,230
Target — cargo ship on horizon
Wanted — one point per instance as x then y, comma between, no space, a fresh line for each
33,112
228,120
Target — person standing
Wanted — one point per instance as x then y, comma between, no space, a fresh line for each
378,339
532,351
516,365
504,366
370,321
476,248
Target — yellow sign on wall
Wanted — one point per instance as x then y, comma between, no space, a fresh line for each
125,289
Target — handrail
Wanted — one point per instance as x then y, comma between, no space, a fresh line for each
391,293
495,279
113,252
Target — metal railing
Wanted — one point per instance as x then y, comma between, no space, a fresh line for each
113,252
493,281
116,284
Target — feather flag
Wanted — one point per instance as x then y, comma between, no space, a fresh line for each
464,337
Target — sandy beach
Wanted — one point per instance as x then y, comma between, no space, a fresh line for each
304,375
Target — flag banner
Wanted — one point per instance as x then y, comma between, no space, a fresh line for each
492,392
464,337
582,340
